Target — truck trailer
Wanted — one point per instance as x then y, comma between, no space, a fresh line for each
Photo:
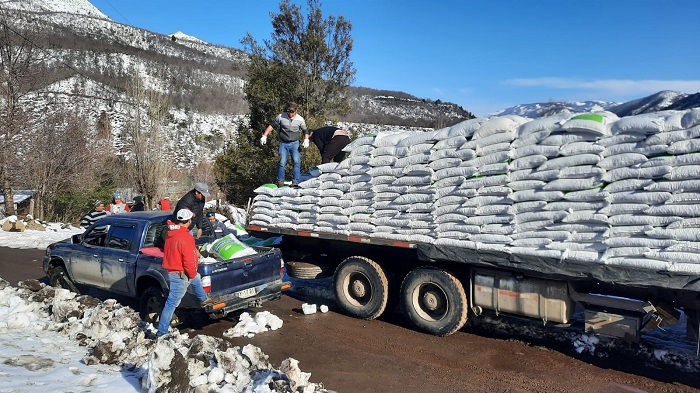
531,218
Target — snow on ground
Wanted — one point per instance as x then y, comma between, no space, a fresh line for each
53,340
92,345
53,232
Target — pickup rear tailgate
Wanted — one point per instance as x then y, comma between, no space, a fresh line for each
242,273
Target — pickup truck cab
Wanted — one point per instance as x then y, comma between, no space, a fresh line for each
122,254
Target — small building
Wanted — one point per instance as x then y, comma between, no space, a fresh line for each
22,201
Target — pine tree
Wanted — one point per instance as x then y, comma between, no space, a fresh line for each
307,60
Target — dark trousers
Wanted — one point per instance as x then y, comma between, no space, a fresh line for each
334,149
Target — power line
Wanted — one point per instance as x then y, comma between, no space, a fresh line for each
117,11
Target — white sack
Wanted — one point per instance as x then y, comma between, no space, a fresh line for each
531,150
563,162
622,160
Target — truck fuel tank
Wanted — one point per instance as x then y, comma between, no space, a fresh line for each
547,300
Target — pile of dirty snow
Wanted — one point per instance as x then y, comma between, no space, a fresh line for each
117,351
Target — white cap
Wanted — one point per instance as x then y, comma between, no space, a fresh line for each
184,214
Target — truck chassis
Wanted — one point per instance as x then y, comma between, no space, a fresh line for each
437,289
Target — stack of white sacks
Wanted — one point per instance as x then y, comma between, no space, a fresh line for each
591,188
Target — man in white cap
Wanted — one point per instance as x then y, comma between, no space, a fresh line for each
180,260
194,201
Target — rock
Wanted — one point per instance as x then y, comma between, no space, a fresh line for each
35,226
32,285
16,226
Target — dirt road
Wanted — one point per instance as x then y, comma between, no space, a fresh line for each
355,356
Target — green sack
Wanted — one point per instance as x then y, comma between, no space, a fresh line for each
229,247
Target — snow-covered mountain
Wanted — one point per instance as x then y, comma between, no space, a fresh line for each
76,7
663,100
550,108
90,59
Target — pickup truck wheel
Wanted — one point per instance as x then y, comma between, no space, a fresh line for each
59,279
151,304
434,301
361,288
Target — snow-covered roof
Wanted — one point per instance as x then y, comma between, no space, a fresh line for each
20,196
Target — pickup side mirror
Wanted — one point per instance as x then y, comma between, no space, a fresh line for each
77,238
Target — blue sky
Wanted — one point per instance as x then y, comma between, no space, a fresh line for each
483,55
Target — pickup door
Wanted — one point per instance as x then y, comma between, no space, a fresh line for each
119,258
106,257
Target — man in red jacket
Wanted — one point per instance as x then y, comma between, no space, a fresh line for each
180,259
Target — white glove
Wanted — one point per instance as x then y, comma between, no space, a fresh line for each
263,140
305,144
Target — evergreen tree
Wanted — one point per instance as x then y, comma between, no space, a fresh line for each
307,60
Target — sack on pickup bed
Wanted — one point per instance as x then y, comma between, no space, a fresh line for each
229,247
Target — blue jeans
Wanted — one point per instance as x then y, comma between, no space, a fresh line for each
284,151
178,288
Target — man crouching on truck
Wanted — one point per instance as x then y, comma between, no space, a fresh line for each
180,259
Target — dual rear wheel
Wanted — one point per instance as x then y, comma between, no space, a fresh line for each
433,300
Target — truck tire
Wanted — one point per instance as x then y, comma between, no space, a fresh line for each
307,270
361,288
59,279
434,301
151,304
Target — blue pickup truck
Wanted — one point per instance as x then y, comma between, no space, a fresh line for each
122,254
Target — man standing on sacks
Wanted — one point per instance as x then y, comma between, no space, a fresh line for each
289,125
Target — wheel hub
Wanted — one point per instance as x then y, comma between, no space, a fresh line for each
431,301
358,288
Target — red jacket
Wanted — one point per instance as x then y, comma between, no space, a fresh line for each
165,204
180,252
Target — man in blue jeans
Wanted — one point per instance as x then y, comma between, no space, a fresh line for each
180,260
289,124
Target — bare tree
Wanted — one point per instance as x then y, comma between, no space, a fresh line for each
103,125
146,141
62,158
20,62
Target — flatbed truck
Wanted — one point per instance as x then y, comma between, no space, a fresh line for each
438,288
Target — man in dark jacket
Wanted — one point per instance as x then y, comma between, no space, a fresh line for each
194,201
330,142
137,206
220,229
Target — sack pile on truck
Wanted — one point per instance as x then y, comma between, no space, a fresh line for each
587,187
